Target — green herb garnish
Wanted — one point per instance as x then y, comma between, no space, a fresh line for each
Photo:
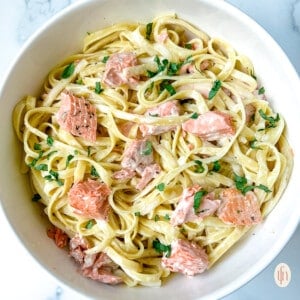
68,71
98,88
36,197
166,85
51,153
148,30
50,140
41,167
53,176
69,158
161,66
161,187
216,166
37,146
252,144
94,172
241,184
199,166
147,150
105,58
137,213
161,248
271,121
194,115
89,224
188,46
261,91
215,88
167,217
156,218
198,199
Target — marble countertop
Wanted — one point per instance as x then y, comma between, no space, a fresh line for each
18,20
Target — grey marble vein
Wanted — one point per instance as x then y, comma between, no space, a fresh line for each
35,13
296,16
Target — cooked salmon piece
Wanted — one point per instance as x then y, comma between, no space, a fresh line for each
169,108
90,199
97,266
138,158
60,238
186,257
147,174
185,212
239,209
136,155
77,116
210,126
115,73
124,174
77,247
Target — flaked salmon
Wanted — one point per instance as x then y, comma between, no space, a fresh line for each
115,69
138,159
185,211
210,126
60,238
186,257
97,266
77,116
169,108
90,199
239,209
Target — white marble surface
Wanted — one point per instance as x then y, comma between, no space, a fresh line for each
24,278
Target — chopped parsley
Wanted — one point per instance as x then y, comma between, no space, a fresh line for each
51,153
167,217
261,91
36,197
216,166
161,187
50,140
105,58
53,176
166,85
148,30
68,71
35,160
188,46
215,88
161,66
89,224
199,166
194,115
156,218
37,146
98,88
137,213
198,199
89,151
252,144
94,172
241,184
41,167
147,150
161,248
69,158
271,121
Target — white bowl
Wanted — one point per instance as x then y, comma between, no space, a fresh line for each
62,36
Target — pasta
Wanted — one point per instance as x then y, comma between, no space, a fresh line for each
169,132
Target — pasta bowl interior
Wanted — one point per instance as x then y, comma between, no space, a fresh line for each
209,110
